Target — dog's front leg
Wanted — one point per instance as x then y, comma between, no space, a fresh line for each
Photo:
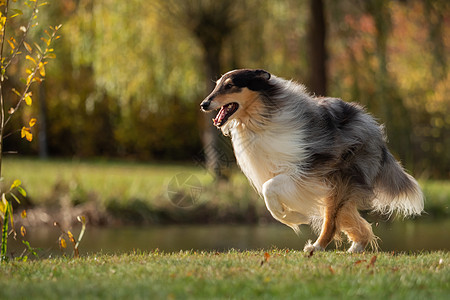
278,193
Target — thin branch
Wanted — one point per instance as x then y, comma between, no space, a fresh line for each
11,133
33,74
3,33
27,87
2,78
16,50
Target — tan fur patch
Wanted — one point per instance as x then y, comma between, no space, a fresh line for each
250,106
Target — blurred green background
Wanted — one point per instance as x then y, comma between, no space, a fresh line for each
129,75
119,124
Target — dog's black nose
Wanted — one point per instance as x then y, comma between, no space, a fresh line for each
204,105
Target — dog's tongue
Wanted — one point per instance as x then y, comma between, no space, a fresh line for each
220,116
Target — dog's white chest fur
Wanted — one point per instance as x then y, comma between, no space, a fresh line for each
264,155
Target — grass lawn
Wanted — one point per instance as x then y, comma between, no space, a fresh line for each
280,274
123,181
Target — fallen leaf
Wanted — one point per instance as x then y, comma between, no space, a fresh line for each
372,261
331,269
359,261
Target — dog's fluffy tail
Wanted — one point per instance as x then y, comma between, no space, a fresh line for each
396,190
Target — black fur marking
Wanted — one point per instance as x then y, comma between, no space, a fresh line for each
384,155
255,80
347,114
350,153
337,113
317,159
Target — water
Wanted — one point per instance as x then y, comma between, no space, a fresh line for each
399,236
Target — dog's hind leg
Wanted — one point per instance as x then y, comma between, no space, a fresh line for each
278,193
332,206
357,229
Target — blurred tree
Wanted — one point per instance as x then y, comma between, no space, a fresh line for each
317,48
211,22
391,107
129,75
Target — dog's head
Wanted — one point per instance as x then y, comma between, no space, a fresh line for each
237,95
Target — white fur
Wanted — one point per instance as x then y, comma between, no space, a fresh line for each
271,159
356,248
409,203
310,247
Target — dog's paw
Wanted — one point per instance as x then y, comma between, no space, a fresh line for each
356,248
309,248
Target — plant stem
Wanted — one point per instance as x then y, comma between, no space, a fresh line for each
2,104
5,234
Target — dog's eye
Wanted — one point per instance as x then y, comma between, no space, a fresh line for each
228,86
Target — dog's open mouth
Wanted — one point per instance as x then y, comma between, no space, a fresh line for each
225,113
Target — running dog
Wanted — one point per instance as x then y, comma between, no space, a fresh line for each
314,160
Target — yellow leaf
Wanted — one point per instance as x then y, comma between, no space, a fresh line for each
30,77
28,47
23,231
23,214
41,69
15,184
62,243
3,204
11,44
32,122
31,59
23,132
28,99
71,237
29,136
26,133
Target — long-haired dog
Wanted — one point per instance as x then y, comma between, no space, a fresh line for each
314,160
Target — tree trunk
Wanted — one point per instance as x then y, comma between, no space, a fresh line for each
317,49
210,136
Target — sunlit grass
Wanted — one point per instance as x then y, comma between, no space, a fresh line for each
261,274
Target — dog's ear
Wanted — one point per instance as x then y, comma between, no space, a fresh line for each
259,80
255,80
262,74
